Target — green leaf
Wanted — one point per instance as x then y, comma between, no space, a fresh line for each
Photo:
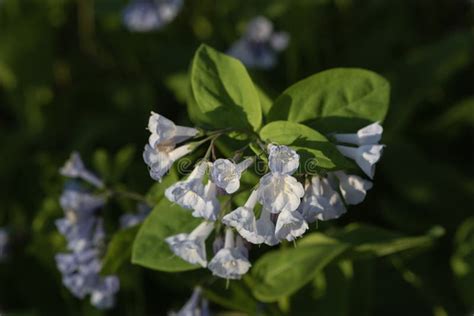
368,241
335,100
314,148
150,249
282,272
462,261
223,91
119,250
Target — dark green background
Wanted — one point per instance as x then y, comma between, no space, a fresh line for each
73,78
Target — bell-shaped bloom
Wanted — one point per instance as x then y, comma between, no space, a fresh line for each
191,193
75,168
191,247
226,174
243,220
266,228
290,225
321,201
211,206
195,306
161,158
369,135
259,45
365,156
80,202
4,240
282,159
165,132
103,295
217,244
230,262
353,187
280,192
150,15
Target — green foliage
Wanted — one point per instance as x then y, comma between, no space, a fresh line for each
119,250
223,91
316,151
150,249
462,261
336,100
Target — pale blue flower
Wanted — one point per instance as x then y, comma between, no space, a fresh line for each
279,192
161,158
150,15
282,159
366,156
321,201
368,135
226,174
75,168
259,46
191,247
353,188
230,262
165,132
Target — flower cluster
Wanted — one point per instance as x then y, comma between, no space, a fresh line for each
259,46
84,233
278,208
150,15
4,241
197,305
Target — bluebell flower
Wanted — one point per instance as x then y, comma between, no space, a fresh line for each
85,235
259,45
75,168
150,15
197,305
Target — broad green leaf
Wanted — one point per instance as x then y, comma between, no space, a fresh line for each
150,249
223,91
316,151
235,296
265,101
335,100
462,261
283,272
119,250
368,241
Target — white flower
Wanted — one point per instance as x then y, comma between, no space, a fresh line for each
365,156
150,15
279,41
290,225
259,29
353,188
259,45
165,132
243,220
279,192
321,201
369,135
191,308
211,207
226,174
229,262
161,158
74,168
191,247
266,228
282,159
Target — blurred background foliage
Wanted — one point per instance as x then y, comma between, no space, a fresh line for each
73,78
